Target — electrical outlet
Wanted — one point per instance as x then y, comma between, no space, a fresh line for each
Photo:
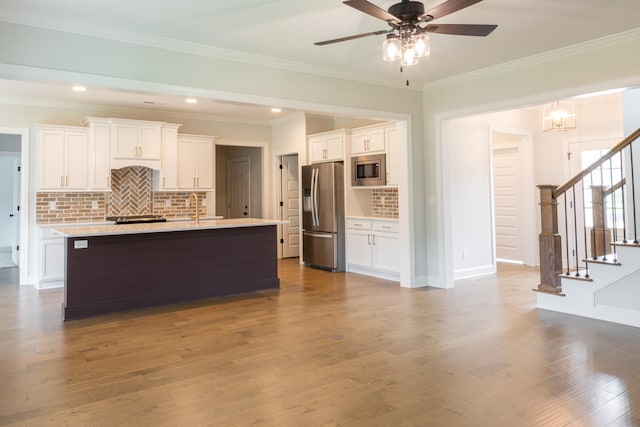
167,203
204,201
94,205
52,206
382,199
187,203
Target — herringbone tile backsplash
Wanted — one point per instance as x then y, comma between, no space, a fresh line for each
131,191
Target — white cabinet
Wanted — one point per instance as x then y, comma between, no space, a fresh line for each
379,139
168,175
327,146
51,262
373,247
136,140
99,154
369,140
195,162
63,158
391,148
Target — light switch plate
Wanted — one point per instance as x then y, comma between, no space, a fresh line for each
167,203
94,205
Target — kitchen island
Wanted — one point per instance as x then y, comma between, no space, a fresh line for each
110,268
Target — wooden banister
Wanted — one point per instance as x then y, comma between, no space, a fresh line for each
576,179
615,187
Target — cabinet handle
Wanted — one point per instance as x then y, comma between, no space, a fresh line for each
61,181
198,181
140,152
357,225
66,181
163,181
194,181
386,227
374,239
368,239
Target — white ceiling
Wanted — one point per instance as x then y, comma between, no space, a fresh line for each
285,30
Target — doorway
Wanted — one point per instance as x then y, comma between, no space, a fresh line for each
507,197
10,194
289,205
513,196
240,175
238,187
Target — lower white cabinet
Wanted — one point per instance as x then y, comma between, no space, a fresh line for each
51,259
373,247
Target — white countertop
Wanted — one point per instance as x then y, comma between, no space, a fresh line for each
160,227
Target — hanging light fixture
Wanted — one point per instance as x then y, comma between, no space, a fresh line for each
559,115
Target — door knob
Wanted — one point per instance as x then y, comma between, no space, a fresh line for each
11,215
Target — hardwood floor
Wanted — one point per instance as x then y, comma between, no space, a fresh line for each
326,350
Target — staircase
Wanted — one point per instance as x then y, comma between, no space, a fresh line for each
589,244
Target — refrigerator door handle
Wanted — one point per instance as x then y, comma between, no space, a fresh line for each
315,196
313,191
321,235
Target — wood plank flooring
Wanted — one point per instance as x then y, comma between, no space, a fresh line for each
326,350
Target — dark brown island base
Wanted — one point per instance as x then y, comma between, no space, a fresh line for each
112,268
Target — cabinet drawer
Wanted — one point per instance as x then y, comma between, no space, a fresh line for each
386,226
358,224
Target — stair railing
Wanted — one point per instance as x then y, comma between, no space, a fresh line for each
597,207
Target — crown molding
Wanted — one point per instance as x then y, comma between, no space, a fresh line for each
552,55
119,35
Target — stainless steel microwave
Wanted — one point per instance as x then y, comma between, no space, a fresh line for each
369,170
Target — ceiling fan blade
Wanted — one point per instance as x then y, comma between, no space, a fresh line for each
358,36
461,29
447,8
371,9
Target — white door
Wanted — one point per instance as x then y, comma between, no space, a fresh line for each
290,206
507,198
238,186
15,219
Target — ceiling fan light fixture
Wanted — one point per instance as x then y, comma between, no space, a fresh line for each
409,56
421,45
391,48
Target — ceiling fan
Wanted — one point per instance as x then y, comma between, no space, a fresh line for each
407,39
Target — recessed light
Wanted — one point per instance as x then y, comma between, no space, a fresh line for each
191,101
276,110
79,88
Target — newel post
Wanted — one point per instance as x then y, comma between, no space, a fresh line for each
550,243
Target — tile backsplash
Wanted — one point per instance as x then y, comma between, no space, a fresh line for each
385,202
131,191
131,194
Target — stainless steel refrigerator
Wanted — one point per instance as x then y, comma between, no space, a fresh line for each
323,216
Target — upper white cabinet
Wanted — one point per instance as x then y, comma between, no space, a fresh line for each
368,140
391,148
135,140
327,146
99,154
195,162
63,158
168,174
